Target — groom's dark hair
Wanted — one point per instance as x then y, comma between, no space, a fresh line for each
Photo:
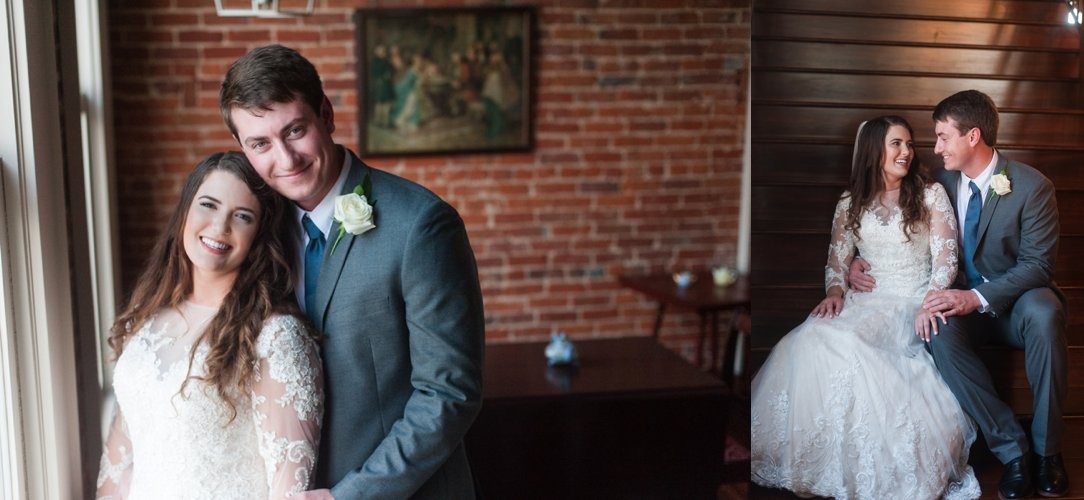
266,76
971,109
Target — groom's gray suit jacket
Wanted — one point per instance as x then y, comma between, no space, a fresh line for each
1018,234
400,308
1016,252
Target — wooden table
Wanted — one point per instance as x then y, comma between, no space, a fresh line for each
633,420
701,296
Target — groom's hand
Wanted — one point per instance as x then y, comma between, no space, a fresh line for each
313,495
860,281
951,302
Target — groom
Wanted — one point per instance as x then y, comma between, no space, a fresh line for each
394,290
1008,222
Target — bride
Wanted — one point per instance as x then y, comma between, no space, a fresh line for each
217,381
849,404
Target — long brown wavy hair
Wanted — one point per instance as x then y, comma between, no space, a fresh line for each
264,284
867,177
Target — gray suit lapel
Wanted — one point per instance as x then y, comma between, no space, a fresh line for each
332,265
990,206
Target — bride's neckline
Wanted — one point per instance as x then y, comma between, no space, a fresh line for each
891,194
196,305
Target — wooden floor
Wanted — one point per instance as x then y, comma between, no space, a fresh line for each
987,468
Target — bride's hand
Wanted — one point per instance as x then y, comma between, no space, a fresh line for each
831,306
926,324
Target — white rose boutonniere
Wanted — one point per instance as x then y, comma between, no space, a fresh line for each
1000,183
353,212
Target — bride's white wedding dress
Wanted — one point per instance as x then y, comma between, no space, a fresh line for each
853,406
164,444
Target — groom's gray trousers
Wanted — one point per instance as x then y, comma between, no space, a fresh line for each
1036,324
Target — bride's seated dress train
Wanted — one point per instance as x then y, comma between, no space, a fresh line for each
853,406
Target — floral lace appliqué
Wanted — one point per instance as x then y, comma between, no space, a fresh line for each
186,445
901,266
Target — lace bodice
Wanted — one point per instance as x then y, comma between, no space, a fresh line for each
901,267
164,444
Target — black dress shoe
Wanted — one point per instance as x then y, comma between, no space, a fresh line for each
1052,479
1016,479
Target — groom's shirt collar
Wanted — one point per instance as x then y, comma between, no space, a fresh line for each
322,214
982,181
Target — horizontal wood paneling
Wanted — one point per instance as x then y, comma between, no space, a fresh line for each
1043,65
1075,297
1007,368
1013,11
1064,168
795,208
814,163
823,123
820,67
1071,218
778,309
783,161
792,258
784,258
818,26
874,89
809,209
1067,269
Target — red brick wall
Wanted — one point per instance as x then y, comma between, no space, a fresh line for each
639,122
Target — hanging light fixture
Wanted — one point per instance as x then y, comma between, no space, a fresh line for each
1075,15
265,8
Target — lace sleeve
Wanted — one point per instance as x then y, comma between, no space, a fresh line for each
288,402
115,469
841,247
942,238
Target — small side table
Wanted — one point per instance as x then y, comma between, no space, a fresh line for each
701,296
632,420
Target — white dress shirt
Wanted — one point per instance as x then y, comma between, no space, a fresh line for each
963,190
323,217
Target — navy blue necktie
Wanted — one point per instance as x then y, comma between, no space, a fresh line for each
971,235
314,254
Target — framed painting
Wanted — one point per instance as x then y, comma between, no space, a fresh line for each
444,81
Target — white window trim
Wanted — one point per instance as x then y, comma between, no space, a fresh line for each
745,219
99,171
39,418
